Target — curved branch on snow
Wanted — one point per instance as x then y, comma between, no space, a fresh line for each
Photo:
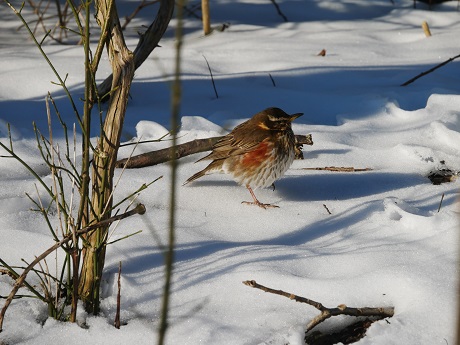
326,313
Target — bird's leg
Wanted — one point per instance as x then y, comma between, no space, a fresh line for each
257,202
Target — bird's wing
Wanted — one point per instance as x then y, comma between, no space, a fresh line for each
240,141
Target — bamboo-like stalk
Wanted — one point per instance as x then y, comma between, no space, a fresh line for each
104,159
206,17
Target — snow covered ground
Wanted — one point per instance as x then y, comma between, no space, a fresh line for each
385,243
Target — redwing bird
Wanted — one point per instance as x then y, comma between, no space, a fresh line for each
256,153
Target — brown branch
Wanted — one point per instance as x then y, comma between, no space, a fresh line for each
430,70
186,149
12,276
340,169
325,312
143,4
148,41
139,209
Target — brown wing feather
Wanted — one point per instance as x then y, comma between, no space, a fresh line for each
241,140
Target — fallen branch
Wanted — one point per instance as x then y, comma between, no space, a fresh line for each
340,169
430,70
139,209
326,313
186,149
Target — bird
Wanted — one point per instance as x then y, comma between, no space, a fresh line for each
255,153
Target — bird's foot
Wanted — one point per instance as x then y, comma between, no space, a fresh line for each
258,203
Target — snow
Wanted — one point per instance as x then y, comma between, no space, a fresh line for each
385,242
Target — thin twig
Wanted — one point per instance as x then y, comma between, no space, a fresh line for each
278,9
326,313
271,78
142,5
212,77
329,212
430,70
440,203
169,253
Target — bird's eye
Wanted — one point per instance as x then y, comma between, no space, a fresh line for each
272,118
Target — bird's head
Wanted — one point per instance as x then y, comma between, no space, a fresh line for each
275,119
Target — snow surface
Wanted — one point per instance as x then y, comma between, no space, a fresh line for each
384,243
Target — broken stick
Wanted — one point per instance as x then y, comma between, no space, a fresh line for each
326,313
340,169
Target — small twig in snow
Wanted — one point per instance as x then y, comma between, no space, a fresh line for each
440,203
271,78
212,77
278,9
340,169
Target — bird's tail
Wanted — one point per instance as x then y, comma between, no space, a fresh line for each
212,167
195,176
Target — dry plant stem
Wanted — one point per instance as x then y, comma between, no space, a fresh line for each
142,5
278,9
325,312
117,315
175,110
212,77
122,62
7,272
273,80
426,29
340,169
410,81
139,209
183,150
206,17
148,41
440,203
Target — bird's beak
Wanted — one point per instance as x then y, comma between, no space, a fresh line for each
295,116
